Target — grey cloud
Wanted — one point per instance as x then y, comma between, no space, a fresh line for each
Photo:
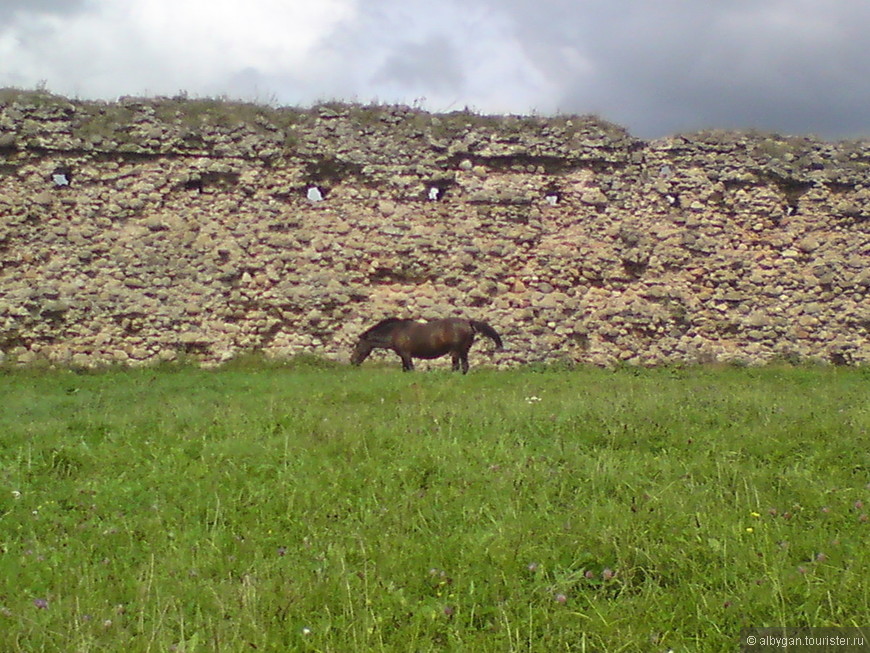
18,8
672,66
432,64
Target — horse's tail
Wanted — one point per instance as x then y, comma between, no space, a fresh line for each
488,331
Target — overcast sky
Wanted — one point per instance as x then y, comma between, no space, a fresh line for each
657,67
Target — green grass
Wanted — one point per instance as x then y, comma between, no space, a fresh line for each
323,508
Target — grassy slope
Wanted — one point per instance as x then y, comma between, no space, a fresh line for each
342,509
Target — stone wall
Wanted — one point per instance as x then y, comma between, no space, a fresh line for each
141,230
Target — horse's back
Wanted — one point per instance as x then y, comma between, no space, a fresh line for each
453,329
434,338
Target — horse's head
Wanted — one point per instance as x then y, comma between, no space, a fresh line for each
377,336
360,352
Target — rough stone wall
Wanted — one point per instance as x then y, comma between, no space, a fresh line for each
137,231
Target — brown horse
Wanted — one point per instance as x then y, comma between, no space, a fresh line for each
410,339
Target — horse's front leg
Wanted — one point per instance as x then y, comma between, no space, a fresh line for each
407,363
455,362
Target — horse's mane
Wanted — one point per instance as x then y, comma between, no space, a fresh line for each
384,326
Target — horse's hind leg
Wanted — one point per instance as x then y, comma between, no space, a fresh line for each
460,358
407,363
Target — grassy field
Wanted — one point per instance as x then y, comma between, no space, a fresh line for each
321,508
